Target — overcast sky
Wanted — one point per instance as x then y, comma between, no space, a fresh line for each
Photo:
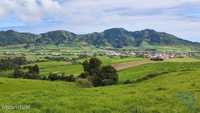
178,17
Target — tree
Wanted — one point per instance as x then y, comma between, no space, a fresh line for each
29,75
98,75
62,77
18,73
92,70
28,72
33,69
86,66
96,80
95,63
92,67
12,62
108,75
53,76
83,75
36,69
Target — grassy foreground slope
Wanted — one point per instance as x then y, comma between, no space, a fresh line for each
174,92
155,68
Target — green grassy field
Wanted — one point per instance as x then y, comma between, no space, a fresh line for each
68,68
183,60
142,70
54,66
176,91
115,59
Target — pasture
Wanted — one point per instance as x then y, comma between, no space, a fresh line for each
174,92
174,89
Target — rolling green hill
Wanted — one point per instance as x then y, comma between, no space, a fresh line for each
11,37
56,37
173,92
115,37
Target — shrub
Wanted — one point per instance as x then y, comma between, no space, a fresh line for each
69,78
34,69
84,83
44,78
31,76
95,80
53,76
62,77
32,73
18,73
106,82
83,75
151,75
128,82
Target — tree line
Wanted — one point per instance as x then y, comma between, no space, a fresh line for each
33,72
27,72
12,62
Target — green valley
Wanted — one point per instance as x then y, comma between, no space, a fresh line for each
176,91
114,71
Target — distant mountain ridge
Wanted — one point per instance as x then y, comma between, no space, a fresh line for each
114,37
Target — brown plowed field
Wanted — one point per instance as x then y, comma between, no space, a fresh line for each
121,66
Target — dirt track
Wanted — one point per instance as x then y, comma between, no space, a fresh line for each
121,66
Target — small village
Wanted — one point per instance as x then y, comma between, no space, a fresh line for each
153,55
148,54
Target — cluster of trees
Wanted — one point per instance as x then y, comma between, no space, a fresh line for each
99,75
32,72
62,77
11,63
27,72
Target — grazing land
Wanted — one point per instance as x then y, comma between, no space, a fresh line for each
144,86
170,86
174,92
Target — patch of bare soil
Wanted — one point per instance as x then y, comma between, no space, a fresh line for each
121,66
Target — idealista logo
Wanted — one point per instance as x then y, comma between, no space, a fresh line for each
15,107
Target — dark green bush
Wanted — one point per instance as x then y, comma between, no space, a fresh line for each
84,83
128,82
108,75
31,73
83,75
98,75
62,77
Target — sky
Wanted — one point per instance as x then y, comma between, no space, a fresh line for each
178,17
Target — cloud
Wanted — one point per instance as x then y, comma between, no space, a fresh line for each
5,7
180,17
28,10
